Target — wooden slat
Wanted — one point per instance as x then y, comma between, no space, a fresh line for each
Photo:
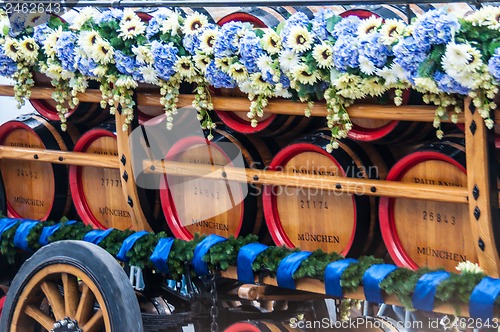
317,286
347,185
288,107
53,156
139,220
38,315
483,216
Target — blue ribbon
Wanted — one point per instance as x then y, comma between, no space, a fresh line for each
128,244
21,235
372,279
6,224
97,235
333,272
201,249
425,290
160,254
288,266
246,256
50,230
482,299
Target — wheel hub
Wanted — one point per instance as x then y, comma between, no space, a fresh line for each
66,325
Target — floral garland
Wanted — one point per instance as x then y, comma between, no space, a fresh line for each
401,282
340,60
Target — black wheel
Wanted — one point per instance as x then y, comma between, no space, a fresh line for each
73,284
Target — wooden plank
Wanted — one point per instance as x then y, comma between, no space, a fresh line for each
334,183
58,157
317,286
481,183
139,220
422,113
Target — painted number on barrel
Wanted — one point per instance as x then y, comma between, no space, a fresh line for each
312,204
27,173
110,183
438,217
206,192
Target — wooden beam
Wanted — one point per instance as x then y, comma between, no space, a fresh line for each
58,157
321,182
483,195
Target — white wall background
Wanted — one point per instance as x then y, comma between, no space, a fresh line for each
8,105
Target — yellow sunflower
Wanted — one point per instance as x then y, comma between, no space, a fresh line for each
304,76
11,48
131,29
194,22
102,52
323,54
300,40
207,41
28,49
185,67
271,42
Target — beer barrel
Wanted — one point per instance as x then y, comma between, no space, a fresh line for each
97,191
89,114
36,190
420,233
270,125
259,326
200,205
321,219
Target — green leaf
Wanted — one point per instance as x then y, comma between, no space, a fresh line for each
259,32
280,26
427,68
5,30
331,22
493,46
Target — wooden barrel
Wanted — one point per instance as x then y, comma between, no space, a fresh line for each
259,326
320,219
89,114
199,205
36,190
269,125
97,191
423,233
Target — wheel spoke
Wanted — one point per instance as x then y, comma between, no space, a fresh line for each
56,301
38,315
95,324
86,305
71,294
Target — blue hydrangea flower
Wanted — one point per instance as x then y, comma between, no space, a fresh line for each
283,79
217,78
124,63
250,51
7,66
85,65
165,57
449,84
373,50
319,23
347,27
297,19
409,54
494,65
137,75
109,15
40,33
65,50
435,27
346,53
226,44
154,24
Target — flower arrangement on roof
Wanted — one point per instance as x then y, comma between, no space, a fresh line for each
307,59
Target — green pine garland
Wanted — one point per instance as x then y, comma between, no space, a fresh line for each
401,282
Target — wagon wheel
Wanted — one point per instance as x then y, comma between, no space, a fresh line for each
71,286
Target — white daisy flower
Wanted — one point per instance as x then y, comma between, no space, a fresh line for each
50,42
323,54
366,66
288,60
302,74
391,30
388,75
172,24
82,17
143,55
131,29
369,25
456,55
194,22
207,41
271,42
469,267
265,63
279,91
149,74
374,87
53,71
201,61
100,71
300,39
399,72
67,75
